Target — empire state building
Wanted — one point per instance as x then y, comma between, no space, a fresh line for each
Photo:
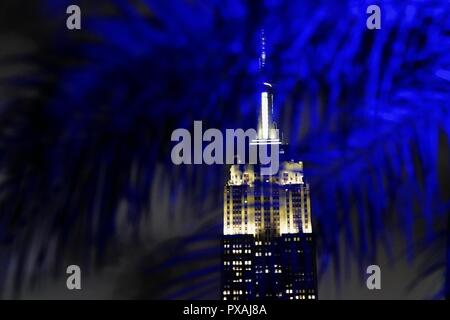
268,249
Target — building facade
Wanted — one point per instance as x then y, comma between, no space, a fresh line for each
268,249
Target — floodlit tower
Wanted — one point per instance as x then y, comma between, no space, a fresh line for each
268,249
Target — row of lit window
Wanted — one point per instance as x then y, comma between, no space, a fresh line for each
302,297
295,291
259,254
277,270
234,263
292,239
260,271
240,269
236,245
235,292
260,243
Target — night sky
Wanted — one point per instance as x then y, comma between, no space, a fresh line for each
86,118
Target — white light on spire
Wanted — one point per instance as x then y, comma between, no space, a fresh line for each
265,115
262,60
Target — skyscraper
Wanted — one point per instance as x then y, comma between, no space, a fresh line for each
268,249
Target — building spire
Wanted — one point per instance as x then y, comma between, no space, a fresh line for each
267,133
262,57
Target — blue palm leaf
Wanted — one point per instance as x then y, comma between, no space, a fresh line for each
85,162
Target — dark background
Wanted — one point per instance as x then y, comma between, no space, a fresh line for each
86,118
